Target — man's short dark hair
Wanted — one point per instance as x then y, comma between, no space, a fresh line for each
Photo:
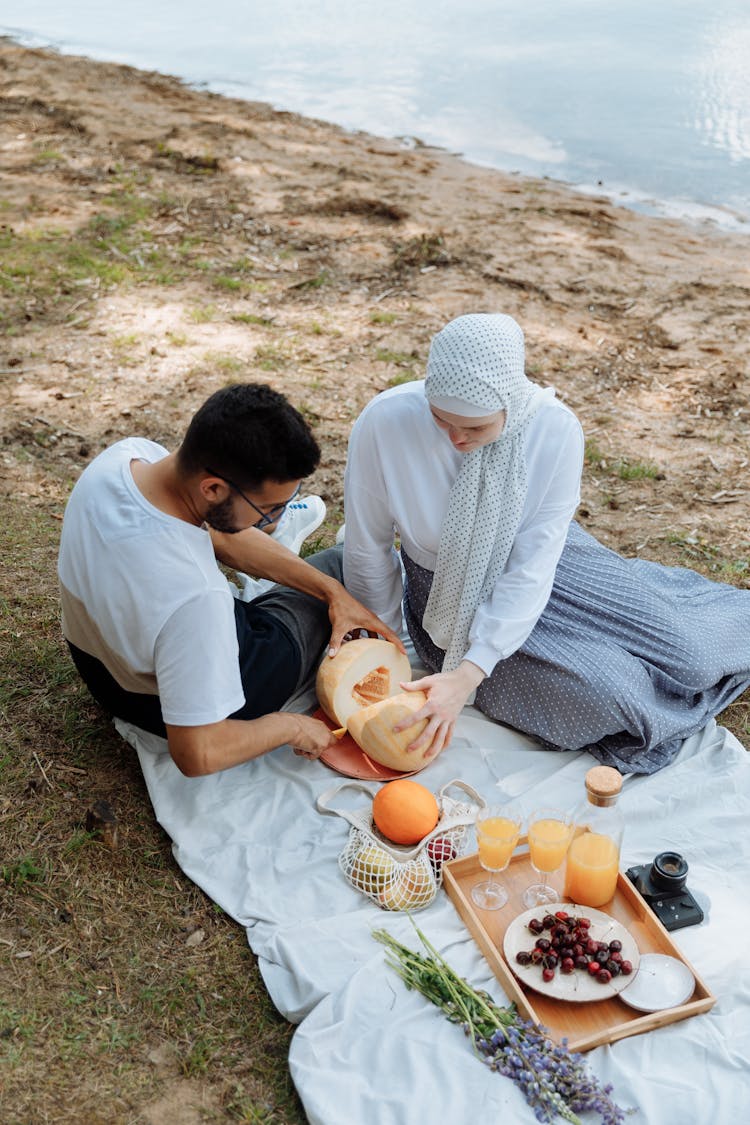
251,434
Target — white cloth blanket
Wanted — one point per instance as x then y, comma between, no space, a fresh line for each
367,1051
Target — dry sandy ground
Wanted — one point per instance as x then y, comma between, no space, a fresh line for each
270,246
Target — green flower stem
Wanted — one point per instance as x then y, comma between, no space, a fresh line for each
481,1017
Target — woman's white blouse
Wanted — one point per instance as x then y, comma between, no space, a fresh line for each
399,475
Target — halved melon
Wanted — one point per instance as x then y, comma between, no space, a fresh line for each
372,729
362,672
359,690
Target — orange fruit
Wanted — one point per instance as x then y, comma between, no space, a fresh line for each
404,811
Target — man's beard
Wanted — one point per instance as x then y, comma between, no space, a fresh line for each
219,517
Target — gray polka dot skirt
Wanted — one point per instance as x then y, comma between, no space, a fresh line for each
628,659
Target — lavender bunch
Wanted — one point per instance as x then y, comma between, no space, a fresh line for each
554,1081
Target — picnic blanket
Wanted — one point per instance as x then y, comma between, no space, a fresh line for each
366,1050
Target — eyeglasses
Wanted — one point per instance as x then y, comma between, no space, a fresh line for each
266,518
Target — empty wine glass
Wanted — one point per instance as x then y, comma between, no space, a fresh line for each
498,828
550,832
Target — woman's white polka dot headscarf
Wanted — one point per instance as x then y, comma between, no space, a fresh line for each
477,362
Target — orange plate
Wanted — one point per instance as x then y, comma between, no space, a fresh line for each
350,760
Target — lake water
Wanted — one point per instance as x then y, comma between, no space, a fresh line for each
648,103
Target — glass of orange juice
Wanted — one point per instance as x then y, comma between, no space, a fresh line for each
550,833
498,828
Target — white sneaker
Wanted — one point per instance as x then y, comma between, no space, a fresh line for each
340,533
300,519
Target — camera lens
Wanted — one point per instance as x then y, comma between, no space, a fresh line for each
669,871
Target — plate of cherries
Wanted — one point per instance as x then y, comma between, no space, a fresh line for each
571,952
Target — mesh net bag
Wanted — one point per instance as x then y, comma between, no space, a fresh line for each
394,876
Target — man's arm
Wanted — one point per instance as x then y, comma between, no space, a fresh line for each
254,553
197,751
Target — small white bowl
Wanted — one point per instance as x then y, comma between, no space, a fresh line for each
659,982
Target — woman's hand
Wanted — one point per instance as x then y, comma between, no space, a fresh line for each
447,693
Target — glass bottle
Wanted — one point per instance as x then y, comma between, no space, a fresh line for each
593,860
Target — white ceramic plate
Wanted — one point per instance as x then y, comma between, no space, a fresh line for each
661,982
578,986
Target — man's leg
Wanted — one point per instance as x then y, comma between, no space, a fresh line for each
304,616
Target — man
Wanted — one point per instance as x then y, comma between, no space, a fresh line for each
149,617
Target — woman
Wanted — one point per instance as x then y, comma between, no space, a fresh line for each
477,470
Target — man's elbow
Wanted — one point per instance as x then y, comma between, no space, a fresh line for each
191,765
193,750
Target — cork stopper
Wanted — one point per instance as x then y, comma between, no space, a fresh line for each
603,784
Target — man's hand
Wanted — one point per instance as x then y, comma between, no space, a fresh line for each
312,738
347,615
197,751
447,693
255,553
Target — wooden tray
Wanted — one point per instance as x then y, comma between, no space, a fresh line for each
588,1024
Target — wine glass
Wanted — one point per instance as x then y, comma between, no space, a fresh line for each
550,833
498,828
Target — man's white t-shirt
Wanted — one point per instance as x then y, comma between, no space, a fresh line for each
142,592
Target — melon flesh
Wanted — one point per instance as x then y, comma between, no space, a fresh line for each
372,729
361,673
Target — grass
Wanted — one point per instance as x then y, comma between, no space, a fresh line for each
621,467
253,318
45,270
270,358
103,1006
635,470
421,251
401,359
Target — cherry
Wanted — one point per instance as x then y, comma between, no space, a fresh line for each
569,945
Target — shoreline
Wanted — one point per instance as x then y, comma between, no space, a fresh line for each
694,214
241,242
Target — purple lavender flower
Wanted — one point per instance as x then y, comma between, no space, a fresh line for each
554,1081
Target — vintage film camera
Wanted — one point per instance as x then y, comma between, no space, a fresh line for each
663,885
